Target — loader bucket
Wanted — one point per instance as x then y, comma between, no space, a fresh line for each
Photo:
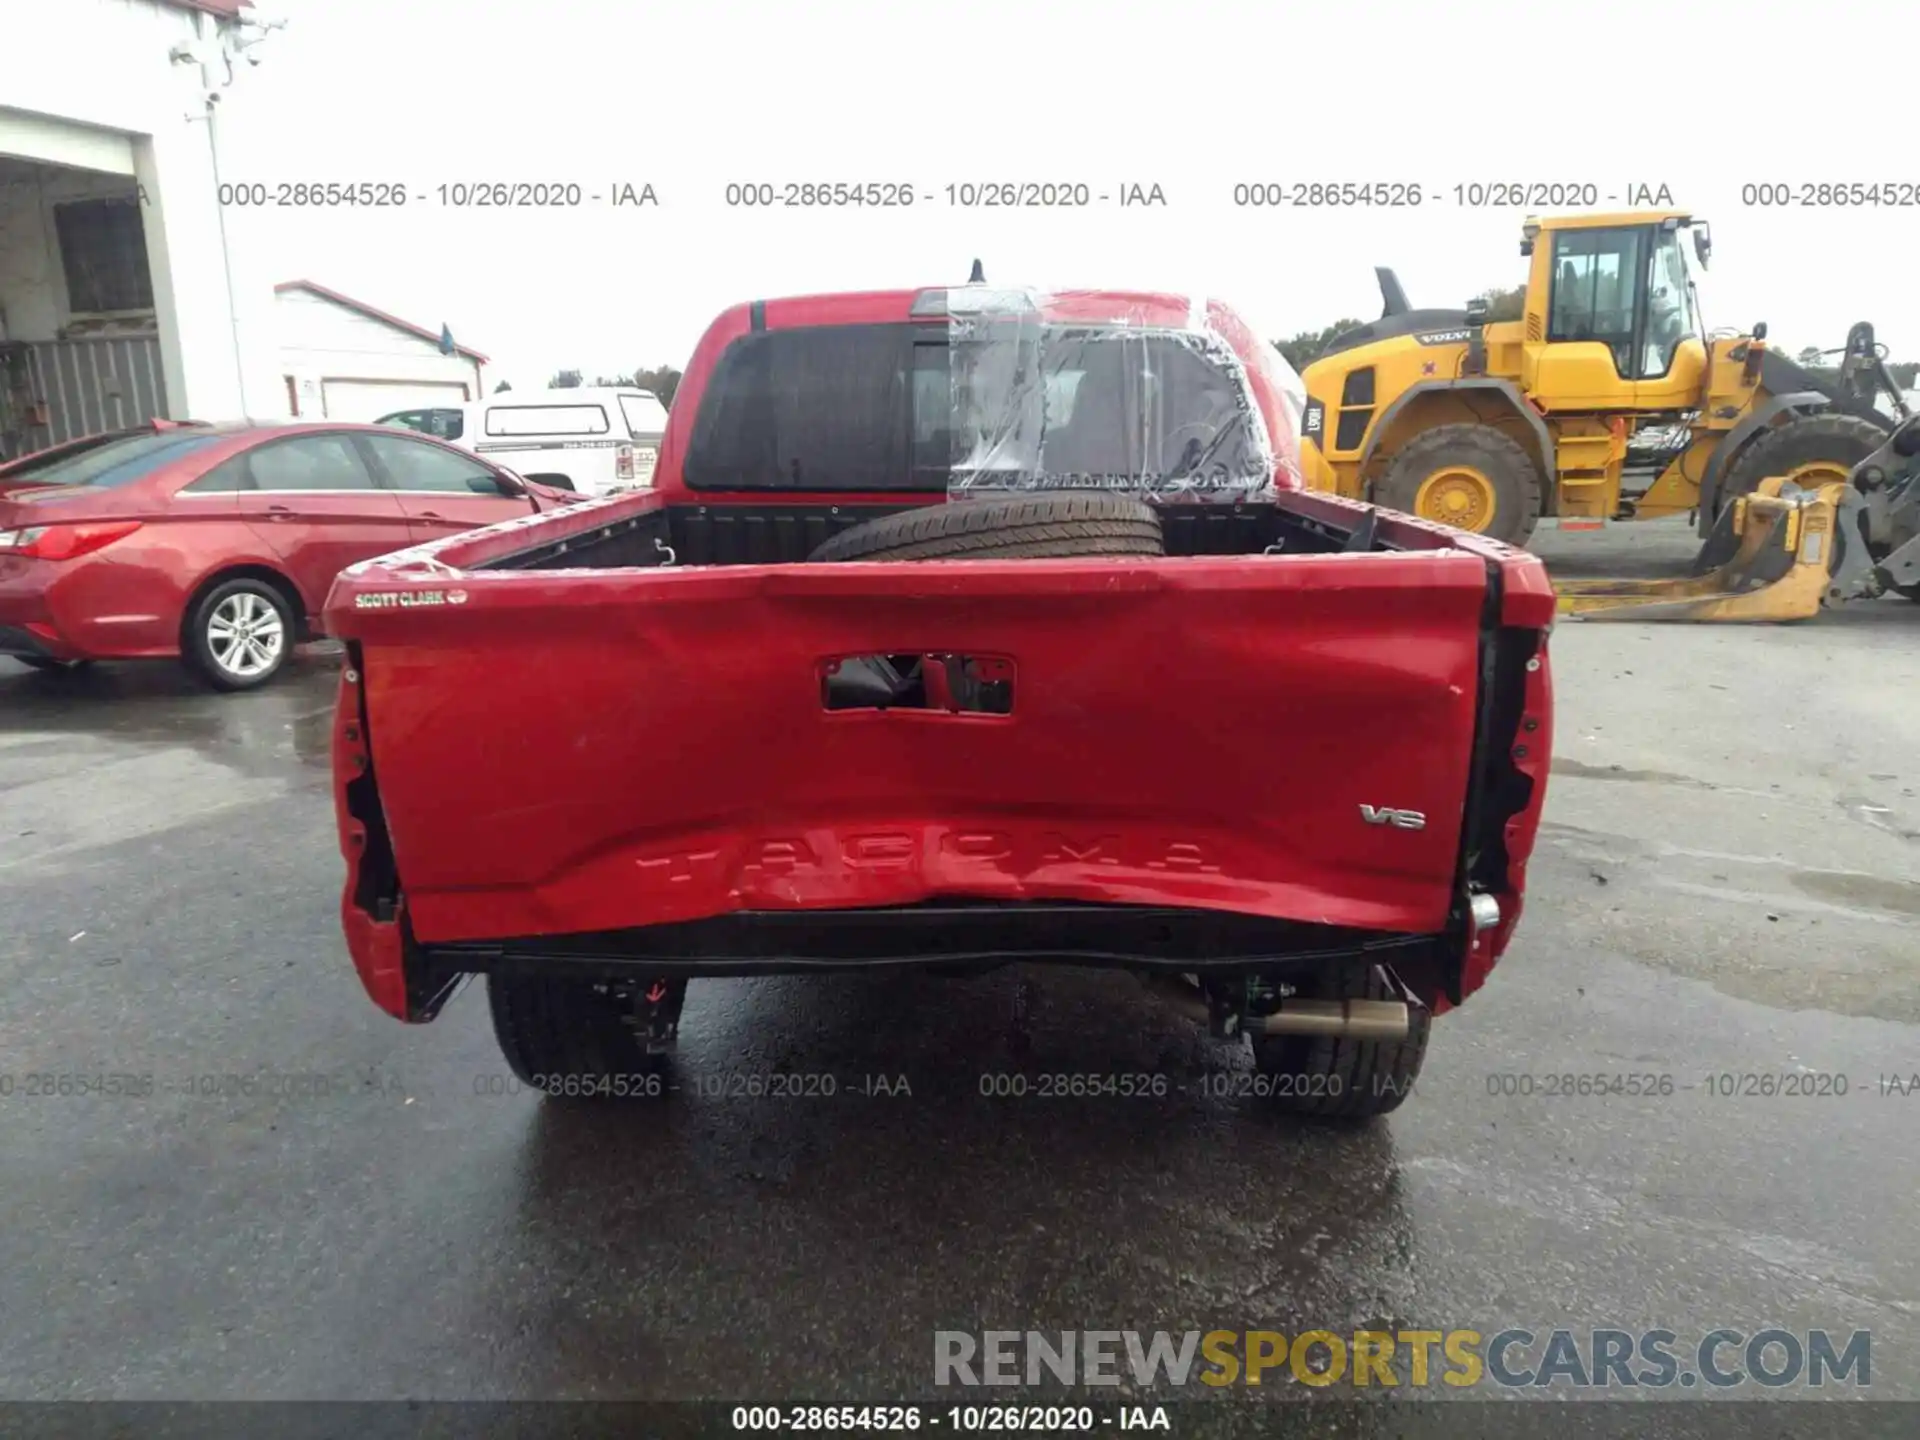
1780,567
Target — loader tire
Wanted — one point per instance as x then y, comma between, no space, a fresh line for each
1472,477
1062,524
1834,437
1344,1079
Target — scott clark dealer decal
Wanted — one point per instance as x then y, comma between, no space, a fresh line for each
405,599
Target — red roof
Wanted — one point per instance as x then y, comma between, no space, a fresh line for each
382,316
229,8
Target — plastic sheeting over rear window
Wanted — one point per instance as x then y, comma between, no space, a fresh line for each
1146,395
997,390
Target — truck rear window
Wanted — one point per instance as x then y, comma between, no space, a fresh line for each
873,407
825,408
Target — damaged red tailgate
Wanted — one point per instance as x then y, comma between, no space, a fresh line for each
576,750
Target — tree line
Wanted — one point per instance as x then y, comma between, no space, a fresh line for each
662,380
1817,363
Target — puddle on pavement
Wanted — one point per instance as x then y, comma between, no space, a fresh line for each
1584,771
1868,812
282,729
1755,927
1902,897
1881,817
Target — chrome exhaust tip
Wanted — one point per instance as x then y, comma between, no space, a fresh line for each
1344,1019
1341,1019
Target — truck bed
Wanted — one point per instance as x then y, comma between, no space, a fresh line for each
602,741
764,534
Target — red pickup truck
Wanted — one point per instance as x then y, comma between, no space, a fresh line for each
960,628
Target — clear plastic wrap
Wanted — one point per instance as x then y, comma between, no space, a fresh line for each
1141,394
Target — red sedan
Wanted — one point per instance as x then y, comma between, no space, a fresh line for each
216,544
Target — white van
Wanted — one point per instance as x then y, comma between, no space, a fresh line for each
589,440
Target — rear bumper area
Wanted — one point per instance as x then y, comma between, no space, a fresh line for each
936,936
19,640
413,979
31,622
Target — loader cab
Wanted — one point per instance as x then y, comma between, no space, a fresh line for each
1613,321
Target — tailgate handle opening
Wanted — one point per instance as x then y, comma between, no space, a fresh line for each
936,682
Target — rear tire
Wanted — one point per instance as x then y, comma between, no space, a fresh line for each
1484,459
239,634
1060,525
1833,436
1345,1079
570,1038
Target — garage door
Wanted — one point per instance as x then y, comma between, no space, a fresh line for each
363,400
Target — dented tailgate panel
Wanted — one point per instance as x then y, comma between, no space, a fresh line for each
569,751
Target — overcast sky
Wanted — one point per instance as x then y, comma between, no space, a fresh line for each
1703,98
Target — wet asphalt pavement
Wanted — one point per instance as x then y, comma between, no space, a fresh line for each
1727,884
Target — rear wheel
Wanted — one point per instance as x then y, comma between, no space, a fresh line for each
1063,524
572,1038
239,634
1347,1079
1471,477
1809,450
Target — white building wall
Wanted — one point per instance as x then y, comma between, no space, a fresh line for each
102,91
322,340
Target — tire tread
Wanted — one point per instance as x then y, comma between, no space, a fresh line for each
1494,453
1824,434
1063,524
561,1027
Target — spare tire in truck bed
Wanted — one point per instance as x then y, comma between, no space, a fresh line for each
1061,524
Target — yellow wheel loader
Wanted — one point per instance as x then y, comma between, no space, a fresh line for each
1786,552
1602,401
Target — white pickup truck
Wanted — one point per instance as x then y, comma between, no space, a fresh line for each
594,441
